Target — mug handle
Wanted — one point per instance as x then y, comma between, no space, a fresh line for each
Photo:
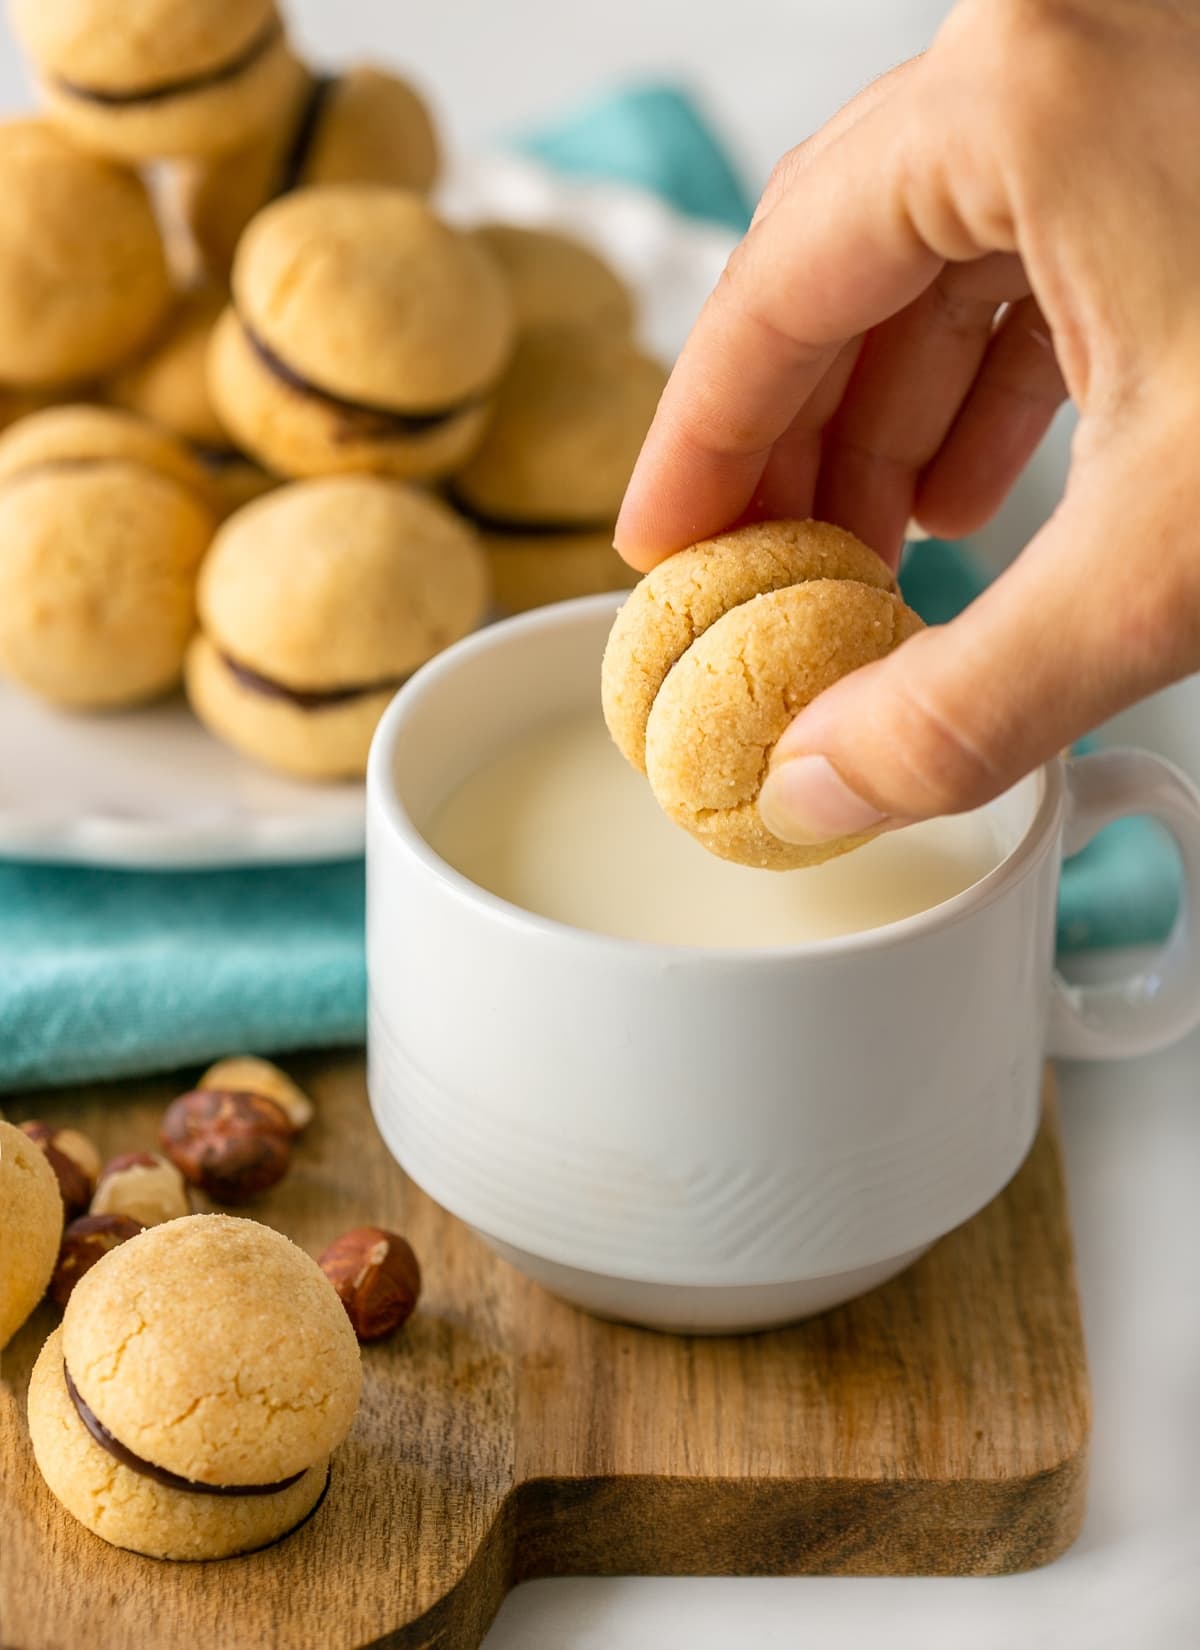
1161,1003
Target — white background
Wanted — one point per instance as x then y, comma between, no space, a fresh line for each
768,71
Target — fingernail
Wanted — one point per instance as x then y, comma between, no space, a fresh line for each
806,800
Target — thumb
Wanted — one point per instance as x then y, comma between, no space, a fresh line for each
1085,622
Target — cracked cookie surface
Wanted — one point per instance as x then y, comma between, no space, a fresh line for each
130,1510
720,711
720,647
684,595
215,1349
31,1223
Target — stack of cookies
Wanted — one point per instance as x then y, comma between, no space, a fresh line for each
266,409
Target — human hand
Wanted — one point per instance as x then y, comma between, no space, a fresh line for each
851,365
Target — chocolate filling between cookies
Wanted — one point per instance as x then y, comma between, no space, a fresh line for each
185,87
510,526
361,420
295,162
216,459
306,698
160,1475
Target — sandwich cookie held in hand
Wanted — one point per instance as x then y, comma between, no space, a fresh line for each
546,482
168,384
557,281
103,523
315,604
365,334
31,1224
83,274
204,1373
719,648
158,78
363,125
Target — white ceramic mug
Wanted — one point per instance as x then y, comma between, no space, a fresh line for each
721,1139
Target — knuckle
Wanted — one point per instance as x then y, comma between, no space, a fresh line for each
1024,62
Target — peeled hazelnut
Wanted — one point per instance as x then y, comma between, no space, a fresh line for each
80,1150
231,1145
377,1279
75,1161
247,1074
84,1242
143,1186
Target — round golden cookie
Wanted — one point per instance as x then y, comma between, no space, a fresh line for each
299,432
170,77
721,709
168,382
558,281
72,436
688,592
83,275
215,1349
363,125
31,1223
168,385
379,577
366,335
103,524
570,419
536,569
126,1508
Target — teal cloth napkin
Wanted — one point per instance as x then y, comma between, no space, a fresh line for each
107,974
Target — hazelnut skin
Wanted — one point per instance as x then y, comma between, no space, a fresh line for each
75,1161
247,1074
231,1145
143,1186
84,1242
377,1279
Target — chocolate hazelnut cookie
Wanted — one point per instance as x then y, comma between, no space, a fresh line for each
103,523
168,384
315,604
546,482
365,334
83,275
164,77
362,125
719,648
204,1373
31,1224
557,281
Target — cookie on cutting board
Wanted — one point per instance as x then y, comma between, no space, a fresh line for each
204,1373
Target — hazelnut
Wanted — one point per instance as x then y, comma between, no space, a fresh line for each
143,1186
377,1279
231,1145
84,1242
247,1074
75,1161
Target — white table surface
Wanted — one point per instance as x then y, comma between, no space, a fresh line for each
769,70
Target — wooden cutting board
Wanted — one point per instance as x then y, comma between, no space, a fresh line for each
940,1425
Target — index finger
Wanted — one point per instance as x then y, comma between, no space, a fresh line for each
836,254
